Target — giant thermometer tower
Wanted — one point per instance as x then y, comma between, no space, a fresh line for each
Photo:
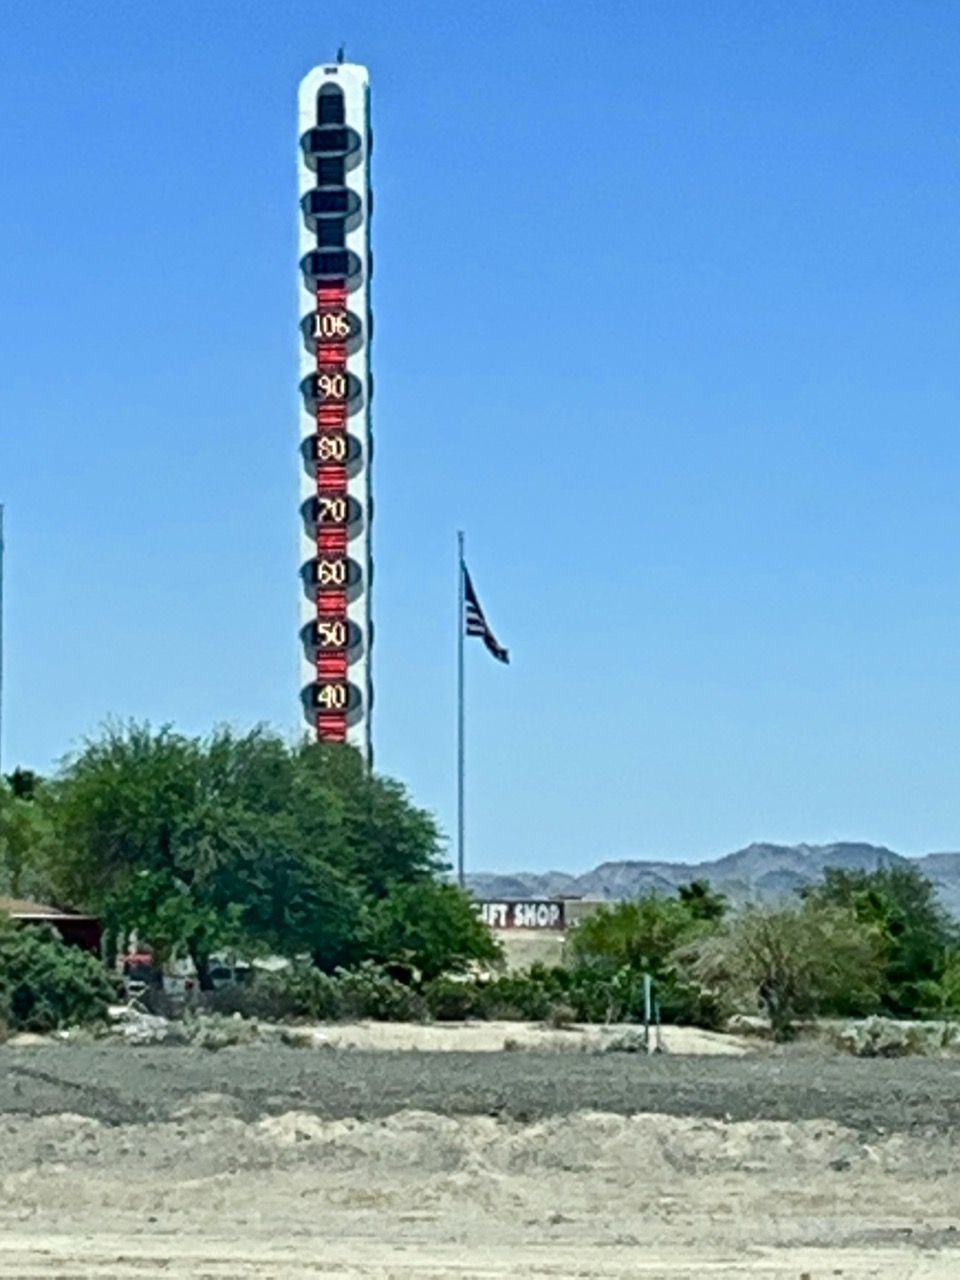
336,387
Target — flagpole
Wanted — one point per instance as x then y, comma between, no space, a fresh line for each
460,734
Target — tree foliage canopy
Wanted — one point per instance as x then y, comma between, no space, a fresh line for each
25,833
646,935
243,842
430,925
643,933
916,932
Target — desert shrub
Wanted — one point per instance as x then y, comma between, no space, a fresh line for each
269,998
690,1004
450,1000
296,993
45,984
596,992
528,997
554,995
879,1037
634,1040
559,995
794,962
520,996
369,992
613,949
603,995
308,994
561,1016
214,1032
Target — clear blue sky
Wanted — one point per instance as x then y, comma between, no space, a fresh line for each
668,308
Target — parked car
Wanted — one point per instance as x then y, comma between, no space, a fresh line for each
179,984
223,974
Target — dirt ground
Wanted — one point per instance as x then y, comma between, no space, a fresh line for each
490,1037
272,1162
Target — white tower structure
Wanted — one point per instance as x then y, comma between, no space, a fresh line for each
336,385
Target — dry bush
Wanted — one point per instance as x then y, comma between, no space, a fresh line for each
562,1017
887,1038
792,962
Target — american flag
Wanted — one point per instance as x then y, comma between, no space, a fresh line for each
475,622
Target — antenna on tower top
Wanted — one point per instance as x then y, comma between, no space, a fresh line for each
341,53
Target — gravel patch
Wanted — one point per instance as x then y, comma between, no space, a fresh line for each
122,1084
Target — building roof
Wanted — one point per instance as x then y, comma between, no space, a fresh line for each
20,907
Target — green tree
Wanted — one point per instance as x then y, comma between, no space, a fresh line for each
793,962
361,822
142,831
643,933
640,933
917,932
25,835
702,901
24,783
295,903
240,842
431,926
944,997
619,943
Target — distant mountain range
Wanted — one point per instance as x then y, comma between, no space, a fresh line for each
760,872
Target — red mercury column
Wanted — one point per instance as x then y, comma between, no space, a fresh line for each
330,453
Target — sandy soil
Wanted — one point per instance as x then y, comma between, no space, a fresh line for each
272,1162
487,1037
